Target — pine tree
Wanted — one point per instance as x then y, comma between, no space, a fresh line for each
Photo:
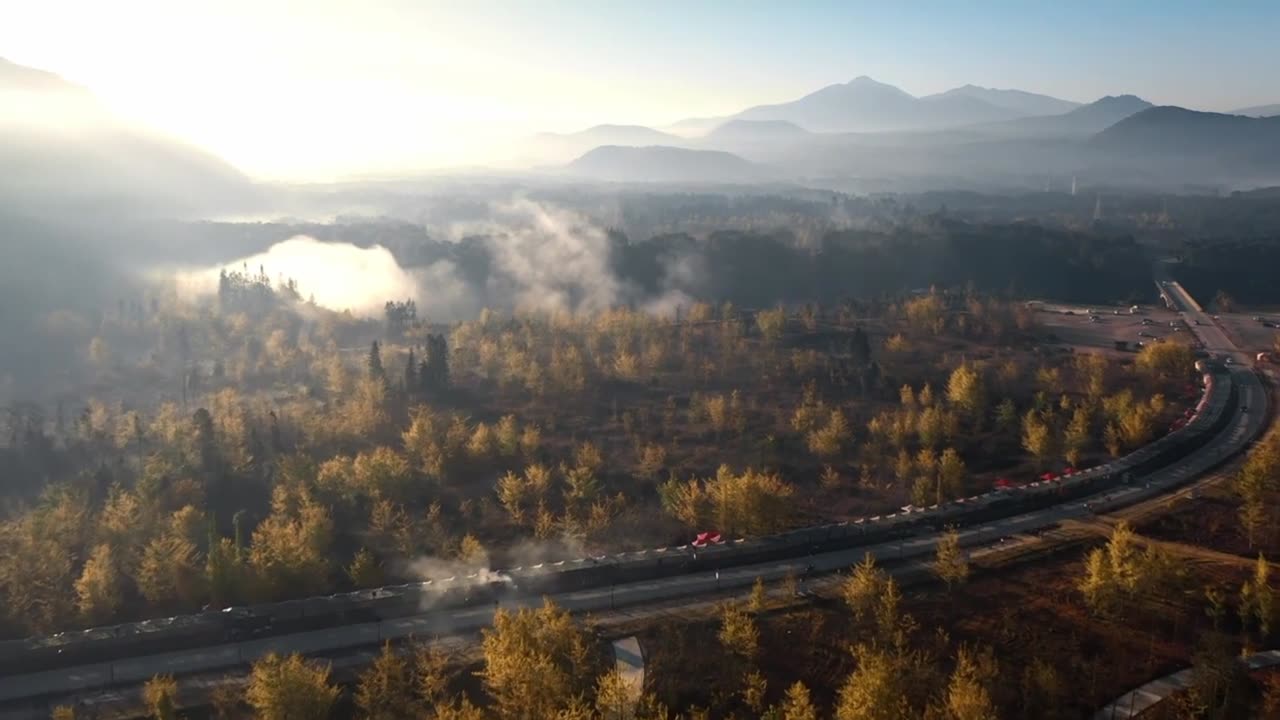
1007,415
756,603
951,566
951,474
160,696
384,690
1076,439
863,588
967,695
1097,584
797,705
374,363
410,374
290,688
738,632
874,690
168,572
965,391
98,590
431,676
536,662
616,698
365,571
1257,598
754,687
1037,437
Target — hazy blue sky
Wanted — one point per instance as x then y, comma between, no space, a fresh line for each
317,88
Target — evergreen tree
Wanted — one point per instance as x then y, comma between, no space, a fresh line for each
290,688
951,566
374,364
797,705
410,374
365,571
738,632
862,590
98,591
384,691
160,695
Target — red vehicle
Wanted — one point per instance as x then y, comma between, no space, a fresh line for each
707,538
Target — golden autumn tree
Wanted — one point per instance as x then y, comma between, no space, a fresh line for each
384,691
290,688
160,695
99,589
535,662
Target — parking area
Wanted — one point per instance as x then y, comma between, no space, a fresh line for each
1100,328
1253,332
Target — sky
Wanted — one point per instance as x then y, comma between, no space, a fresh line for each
320,89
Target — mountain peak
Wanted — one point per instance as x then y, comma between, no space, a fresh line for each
1119,100
1018,102
868,81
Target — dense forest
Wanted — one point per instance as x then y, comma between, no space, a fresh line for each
255,446
554,385
864,648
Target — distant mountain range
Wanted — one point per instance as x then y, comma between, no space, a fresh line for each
865,128
1018,101
737,130
560,147
864,105
1259,111
1175,132
58,144
665,164
1082,121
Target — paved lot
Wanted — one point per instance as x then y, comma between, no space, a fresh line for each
1079,332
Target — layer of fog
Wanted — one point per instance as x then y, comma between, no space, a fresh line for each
338,276
540,258
546,258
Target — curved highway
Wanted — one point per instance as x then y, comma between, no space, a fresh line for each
1242,429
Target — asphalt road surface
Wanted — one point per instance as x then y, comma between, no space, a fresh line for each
1208,331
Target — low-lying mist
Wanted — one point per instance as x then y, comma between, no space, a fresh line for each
338,276
524,256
